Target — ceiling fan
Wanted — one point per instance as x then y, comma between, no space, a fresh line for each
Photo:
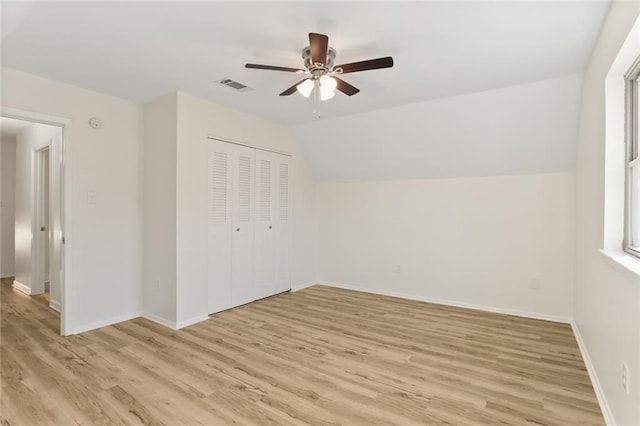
320,72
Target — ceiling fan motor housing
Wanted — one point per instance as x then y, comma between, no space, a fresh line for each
308,64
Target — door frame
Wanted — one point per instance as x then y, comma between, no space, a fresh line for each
66,266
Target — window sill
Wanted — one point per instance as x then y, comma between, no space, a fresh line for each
624,262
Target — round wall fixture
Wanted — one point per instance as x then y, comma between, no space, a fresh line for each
95,122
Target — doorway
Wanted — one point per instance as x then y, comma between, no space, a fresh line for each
37,208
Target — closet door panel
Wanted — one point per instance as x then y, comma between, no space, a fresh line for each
264,249
282,225
219,214
243,226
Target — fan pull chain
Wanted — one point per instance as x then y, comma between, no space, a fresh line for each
316,99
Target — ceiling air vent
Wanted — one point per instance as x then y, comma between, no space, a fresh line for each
234,84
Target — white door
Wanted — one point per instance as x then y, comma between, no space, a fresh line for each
220,222
242,287
281,225
266,211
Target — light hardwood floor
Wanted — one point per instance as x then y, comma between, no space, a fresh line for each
319,356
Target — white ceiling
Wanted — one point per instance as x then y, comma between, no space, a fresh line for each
143,50
10,127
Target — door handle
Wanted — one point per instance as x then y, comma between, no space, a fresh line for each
238,229
270,227
42,228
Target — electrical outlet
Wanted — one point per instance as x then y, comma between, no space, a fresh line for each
535,284
625,377
158,284
398,270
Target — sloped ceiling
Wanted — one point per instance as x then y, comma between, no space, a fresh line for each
523,129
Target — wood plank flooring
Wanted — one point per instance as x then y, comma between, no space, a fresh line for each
321,356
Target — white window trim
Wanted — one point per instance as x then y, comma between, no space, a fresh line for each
615,160
632,160
625,263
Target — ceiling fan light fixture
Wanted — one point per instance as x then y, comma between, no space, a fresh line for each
327,87
328,84
306,87
325,95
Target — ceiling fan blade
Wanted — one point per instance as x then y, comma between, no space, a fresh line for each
345,87
371,64
272,68
292,89
319,43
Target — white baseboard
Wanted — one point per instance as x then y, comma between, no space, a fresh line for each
55,305
303,286
21,287
11,275
159,320
514,312
602,400
191,321
172,324
104,323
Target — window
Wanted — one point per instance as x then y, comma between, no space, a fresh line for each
632,122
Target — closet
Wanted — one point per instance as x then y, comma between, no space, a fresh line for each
248,224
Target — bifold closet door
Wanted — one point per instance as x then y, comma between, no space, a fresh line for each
265,215
248,225
230,227
242,241
282,223
271,261
220,222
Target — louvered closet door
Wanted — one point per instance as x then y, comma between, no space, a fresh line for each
220,222
282,224
242,287
265,216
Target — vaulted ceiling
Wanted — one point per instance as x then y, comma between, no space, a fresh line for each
141,50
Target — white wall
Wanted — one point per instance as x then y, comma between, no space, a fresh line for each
104,237
22,212
606,297
159,224
431,198
473,241
524,129
8,191
198,119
